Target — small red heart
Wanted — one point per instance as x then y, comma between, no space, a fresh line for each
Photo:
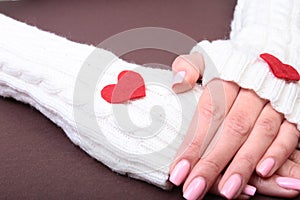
130,86
279,69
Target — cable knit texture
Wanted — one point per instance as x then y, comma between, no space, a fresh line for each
260,26
42,69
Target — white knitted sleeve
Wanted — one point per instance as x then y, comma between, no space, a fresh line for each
260,26
55,75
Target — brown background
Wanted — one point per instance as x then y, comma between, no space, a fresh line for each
37,161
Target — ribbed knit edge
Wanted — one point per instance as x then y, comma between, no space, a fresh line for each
259,26
250,72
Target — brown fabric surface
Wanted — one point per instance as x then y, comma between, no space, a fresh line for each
37,159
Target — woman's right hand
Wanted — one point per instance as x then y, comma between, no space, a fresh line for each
252,135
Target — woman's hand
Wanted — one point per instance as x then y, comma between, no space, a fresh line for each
284,183
231,126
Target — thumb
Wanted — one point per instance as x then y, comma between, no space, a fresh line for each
187,69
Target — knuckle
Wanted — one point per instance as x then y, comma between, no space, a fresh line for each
213,166
293,171
239,125
195,144
284,150
269,125
295,157
207,110
210,111
247,161
194,148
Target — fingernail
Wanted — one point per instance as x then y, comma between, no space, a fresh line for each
178,77
266,166
232,186
249,190
195,189
180,172
288,183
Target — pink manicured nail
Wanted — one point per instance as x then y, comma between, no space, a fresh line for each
195,189
180,172
178,77
232,186
249,190
266,166
288,183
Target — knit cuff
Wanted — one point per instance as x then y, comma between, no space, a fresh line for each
249,71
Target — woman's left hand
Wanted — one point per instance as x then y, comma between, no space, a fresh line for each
284,183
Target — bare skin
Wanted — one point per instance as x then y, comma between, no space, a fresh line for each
247,136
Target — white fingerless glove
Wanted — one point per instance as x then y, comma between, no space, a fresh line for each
139,138
259,26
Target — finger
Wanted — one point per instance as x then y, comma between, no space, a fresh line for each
290,173
263,133
289,183
289,169
295,156
279,151
206,120
187,70
229,138
269,187
247,192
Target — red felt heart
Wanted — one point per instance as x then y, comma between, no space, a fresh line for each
279,69
130,86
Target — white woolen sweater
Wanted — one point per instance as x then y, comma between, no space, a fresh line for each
260,26
41,69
